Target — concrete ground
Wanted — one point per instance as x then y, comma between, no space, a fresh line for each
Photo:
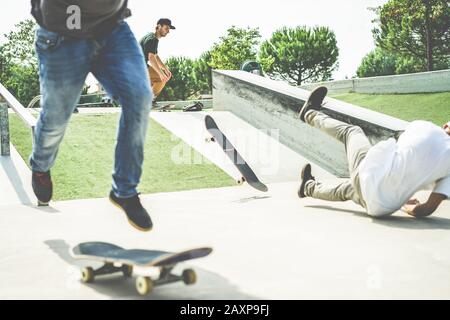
266,245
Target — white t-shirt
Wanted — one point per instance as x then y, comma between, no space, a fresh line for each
393,172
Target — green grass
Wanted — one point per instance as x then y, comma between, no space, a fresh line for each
434,107
85,160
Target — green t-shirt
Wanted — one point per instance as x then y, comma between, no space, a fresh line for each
149,44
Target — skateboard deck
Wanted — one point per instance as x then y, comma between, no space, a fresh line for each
243,167
198,106
166,108
111,256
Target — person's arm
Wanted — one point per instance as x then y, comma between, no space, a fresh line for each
153,59
419,210
164,68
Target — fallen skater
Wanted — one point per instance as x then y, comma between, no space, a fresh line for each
383,177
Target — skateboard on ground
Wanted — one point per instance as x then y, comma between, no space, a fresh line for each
247,172
116,259
166,108
198,106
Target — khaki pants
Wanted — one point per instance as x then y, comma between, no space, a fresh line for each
356,147
157,84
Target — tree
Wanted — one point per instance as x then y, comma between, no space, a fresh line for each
377,63
183,83
3,64
235,48
417,30
300,54
18,62
203,72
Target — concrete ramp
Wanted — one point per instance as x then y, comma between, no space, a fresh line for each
271,160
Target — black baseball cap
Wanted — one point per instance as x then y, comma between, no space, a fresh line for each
166,22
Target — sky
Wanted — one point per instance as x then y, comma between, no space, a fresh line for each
200,23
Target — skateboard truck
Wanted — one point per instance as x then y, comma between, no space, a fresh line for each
144,285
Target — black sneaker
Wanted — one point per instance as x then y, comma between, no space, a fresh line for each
42,187
314,101
138,217
305,177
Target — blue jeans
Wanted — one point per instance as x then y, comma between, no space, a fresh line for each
117,61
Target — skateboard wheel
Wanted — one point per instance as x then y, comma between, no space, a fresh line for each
209,139
127,270
189,276
42,204
87,275
240,181
144,285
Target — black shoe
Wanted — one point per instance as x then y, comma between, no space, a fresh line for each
314,101
305,177
138,217
42,187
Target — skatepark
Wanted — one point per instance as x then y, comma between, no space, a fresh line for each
266,245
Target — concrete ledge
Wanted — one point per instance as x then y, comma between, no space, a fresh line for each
268,104
15,180
422,82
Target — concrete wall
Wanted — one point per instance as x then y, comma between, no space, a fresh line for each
269,104
423,82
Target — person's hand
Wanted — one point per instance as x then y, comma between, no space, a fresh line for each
168,74
446,127
163,77
410,206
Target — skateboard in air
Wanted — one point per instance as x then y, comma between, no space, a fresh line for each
243,167
116,259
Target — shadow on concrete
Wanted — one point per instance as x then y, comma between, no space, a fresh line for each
356,213
14,177
209,285
406,222
244,200
48,209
